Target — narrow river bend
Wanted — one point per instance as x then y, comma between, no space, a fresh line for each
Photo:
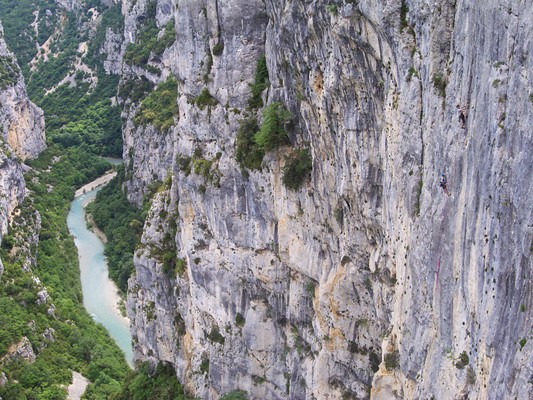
100,296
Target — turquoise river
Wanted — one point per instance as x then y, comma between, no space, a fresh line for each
99,292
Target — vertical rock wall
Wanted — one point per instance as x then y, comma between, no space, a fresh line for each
22,135
21,121
304,294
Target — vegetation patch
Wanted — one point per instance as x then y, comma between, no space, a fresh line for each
9,72
462,361
439,82
235,395
240,320
392,360
134,89
310,288
253,141
215,336
412,72
272,132
204,366
122,224
260,83
218,49
247,154
204,99
297,169
207,168
113,19
148,384
147,43
181,266
160,107
333,9
404,9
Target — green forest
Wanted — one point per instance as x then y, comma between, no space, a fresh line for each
122,224
77,343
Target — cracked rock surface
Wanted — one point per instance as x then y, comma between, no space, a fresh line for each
369,280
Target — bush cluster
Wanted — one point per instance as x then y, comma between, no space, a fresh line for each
248,155
297,169
462,361
206,168
272,132
9,72
260,84
392,360
147,384
253,141
160,107
204,99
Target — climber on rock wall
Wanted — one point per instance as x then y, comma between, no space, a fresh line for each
444,184
463,112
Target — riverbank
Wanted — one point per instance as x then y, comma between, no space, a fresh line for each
96,183
92,226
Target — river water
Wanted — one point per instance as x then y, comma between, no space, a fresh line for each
99,292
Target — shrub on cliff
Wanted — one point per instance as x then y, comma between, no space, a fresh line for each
462,361
272,133
298,166
146,384
260,83
392,360
204,99
160,107
248,155
235,395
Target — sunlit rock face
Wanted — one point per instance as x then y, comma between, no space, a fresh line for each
370,279
21,121
21,137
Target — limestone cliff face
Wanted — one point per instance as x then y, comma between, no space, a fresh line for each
12,187
370,280
21,121
22,125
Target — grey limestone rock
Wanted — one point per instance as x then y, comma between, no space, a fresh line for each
21,137
370,280
21,121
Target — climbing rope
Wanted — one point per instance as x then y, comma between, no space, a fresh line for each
444,214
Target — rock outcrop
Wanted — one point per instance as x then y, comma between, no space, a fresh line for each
21,121
369,280
21,350
12,188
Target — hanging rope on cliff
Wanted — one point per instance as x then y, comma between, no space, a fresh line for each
437,275
444,217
